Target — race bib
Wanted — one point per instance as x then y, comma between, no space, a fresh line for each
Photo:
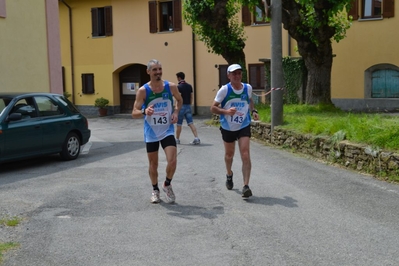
239,116
160,119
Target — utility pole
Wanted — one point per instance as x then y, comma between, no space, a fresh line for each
276,64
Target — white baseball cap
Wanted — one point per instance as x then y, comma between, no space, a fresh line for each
233,68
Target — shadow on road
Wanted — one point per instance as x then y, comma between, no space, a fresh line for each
189,211
35,167
269,201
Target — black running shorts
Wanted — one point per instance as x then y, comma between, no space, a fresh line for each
231,136
154,146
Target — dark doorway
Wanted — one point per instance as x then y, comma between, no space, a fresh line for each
131,79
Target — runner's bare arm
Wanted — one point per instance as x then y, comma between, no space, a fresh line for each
252,110
218,110
138,103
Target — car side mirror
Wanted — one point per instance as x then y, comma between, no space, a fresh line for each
14,117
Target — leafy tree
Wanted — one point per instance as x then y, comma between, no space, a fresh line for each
216,24
312,23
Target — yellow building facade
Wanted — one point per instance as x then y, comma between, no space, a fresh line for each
118,60
365,72
106,45
30,55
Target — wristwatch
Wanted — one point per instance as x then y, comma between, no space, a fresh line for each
254,111
143,111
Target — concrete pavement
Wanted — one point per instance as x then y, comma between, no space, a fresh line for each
96,210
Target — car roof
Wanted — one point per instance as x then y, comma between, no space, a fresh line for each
18,94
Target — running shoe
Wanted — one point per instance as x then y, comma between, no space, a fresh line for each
229,182
196,141
246,192
155,197
170,196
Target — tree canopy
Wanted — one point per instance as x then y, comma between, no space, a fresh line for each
217,25
312,23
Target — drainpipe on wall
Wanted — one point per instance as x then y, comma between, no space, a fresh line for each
71,50
194,74
289,45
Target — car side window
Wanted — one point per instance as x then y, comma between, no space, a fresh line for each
47,107
25,108
2,105
66,103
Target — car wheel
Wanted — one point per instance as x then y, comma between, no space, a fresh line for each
71,147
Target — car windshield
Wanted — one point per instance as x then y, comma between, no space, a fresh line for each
3,104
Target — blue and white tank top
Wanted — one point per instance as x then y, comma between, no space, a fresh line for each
158,126
241,118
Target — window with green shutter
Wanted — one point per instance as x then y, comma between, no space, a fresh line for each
385,83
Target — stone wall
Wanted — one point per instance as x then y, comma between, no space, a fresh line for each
362,158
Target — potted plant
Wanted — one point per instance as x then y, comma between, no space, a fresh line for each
102,105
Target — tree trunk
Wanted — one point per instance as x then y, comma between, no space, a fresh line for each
315,48
318,88
234,57
237,58
318,62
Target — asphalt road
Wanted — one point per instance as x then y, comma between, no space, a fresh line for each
95,211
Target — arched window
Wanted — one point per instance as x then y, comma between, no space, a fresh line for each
382,81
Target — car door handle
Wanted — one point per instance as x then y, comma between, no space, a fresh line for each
36,127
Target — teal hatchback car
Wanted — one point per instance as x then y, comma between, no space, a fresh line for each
37,124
